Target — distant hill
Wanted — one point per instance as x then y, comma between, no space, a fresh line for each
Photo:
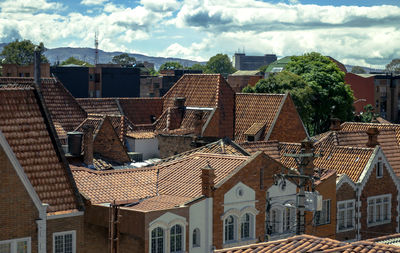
88,54
367,70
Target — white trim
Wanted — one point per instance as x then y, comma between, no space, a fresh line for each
66,215
14,242
72,232
345,179
41,207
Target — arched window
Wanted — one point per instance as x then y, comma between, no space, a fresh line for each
176,239
245,226
157,240
275,221
229,228
196,238
289,219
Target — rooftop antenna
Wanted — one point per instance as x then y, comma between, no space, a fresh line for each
96,45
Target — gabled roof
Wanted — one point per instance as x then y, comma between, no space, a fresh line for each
256,108
358,126
179,177
345,160
141,110
63,107
271,148
223,146
108,106
27,129
300,243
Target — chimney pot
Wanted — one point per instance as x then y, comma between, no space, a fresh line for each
335,124
373,133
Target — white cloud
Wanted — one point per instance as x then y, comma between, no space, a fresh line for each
161,5
93,2
28,6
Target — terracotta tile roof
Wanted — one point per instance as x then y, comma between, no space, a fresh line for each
141,110
161,202
393,239
108,106
358,127
177,178
300,243
62,134
270,148
386,138
199,90
24,125
364,247
345,160
62,106
255,108
254,129
107,186
141,135
223,146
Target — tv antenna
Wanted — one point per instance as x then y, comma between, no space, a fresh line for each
96,45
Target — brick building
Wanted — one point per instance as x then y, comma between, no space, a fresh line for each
15,70
41,209
243,62
242,78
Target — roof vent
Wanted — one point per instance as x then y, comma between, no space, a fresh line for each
75,143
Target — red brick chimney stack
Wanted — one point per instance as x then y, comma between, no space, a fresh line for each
88,144
373,133
207,181
198,124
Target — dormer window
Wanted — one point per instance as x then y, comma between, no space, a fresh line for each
254,132
250,137
379,170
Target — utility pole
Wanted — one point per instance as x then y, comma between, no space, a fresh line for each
305,165
114,227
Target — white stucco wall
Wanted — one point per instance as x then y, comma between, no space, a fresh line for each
201,217
281,195
148,147
232,198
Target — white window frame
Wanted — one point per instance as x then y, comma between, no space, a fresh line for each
151,238
72,232
251,224
327,213
381,208
181,235
235,225
345,210
379,169
14,242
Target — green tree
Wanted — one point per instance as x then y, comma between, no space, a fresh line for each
394,66
358,70
21,52
329,95
74,61
263,69
170,65
124,59
198,66
220,63
368,114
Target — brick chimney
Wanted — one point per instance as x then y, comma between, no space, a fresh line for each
307,147
179,102
373,133
335,124
37,61
198,123
88,145
207,181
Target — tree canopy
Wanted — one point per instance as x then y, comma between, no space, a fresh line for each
124,59
73,60
394,66
220,63
22,52
358,70
170,65
317,87
263,68
198,66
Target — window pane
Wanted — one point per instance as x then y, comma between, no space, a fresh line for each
5,248
341,219
371,214
68,243
386,211
22,247
349,218
59,244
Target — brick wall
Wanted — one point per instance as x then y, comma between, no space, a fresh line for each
108,144
378,186
170,145
18,212
363,88
328,191
249,175
66,224
346,192
289,120
226,106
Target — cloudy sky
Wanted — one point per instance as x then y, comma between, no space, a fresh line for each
358,32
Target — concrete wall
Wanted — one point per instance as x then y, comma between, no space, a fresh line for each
148,147
200,216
